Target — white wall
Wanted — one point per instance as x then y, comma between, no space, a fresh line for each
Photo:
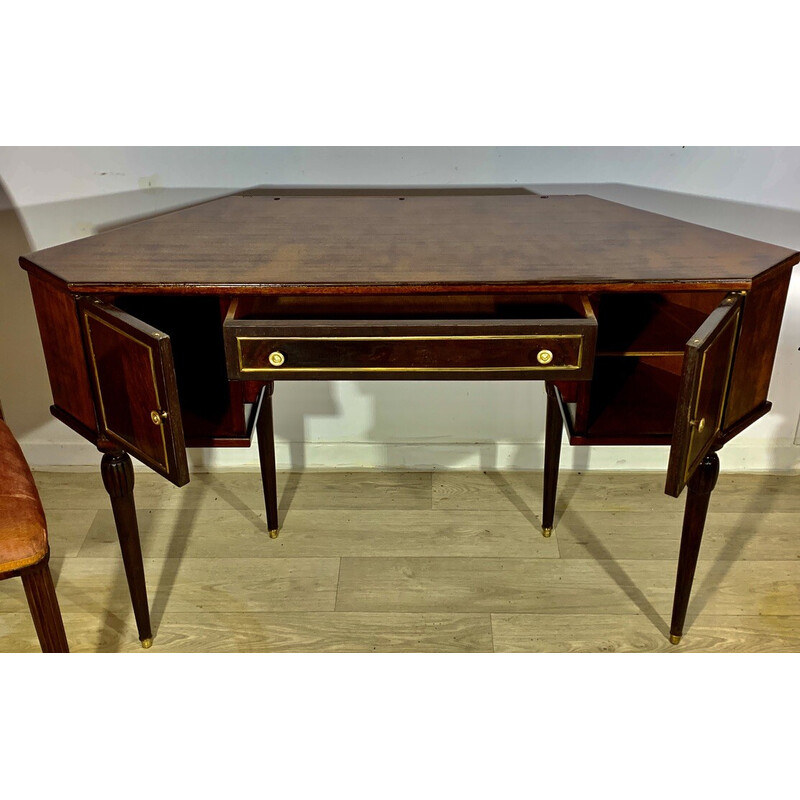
53,195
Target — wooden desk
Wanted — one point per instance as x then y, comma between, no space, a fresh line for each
647,330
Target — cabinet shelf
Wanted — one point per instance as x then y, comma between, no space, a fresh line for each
633,401
650,325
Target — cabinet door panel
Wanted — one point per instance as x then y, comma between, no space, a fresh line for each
131,367
708,361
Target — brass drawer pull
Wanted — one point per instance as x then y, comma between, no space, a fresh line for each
158,417
276,358
698,423
544,356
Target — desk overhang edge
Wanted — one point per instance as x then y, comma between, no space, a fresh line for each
526,287
706,283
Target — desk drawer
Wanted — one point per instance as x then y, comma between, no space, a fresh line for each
410,348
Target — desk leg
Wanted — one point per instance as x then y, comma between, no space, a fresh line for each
117,473
266,455
552,454
699,489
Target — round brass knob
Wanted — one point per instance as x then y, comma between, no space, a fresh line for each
544,356
276,358
158,417
698,423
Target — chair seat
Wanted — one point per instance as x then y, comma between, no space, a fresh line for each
23,531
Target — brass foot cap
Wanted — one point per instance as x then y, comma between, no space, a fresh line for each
546,532
674,639
147,643
273,534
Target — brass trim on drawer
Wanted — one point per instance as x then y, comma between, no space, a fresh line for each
422,337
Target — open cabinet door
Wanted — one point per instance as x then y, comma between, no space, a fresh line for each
131,368
707,365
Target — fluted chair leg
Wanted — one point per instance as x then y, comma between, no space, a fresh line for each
43,603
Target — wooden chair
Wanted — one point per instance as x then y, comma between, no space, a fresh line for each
24,549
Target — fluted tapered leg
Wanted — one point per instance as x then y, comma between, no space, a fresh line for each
117,472
43,604
266,455
699,489
552,455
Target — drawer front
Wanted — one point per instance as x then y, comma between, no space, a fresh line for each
436,350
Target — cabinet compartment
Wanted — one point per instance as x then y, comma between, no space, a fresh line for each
632,401
644,324
639,367
213,409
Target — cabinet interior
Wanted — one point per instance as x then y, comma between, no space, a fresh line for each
633,394
216,412
411,307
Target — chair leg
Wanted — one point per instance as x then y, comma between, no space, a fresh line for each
43,604
117,472
552,454
266,455
699,489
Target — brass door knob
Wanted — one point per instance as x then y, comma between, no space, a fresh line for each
544,356
158,417
698,423
276,358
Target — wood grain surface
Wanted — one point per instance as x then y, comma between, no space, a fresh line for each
424,243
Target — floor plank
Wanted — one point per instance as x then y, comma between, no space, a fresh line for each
631,534
223,532
608,491
67,530
242,490
249,632
638,633
497,584
373,633
232,585
564,586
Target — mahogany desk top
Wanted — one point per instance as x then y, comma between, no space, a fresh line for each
419,243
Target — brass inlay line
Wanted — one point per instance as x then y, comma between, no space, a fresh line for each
137,451
488,337
693,430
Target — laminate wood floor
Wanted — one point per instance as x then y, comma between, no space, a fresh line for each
420,562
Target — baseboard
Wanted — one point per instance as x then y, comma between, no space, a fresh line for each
749,456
